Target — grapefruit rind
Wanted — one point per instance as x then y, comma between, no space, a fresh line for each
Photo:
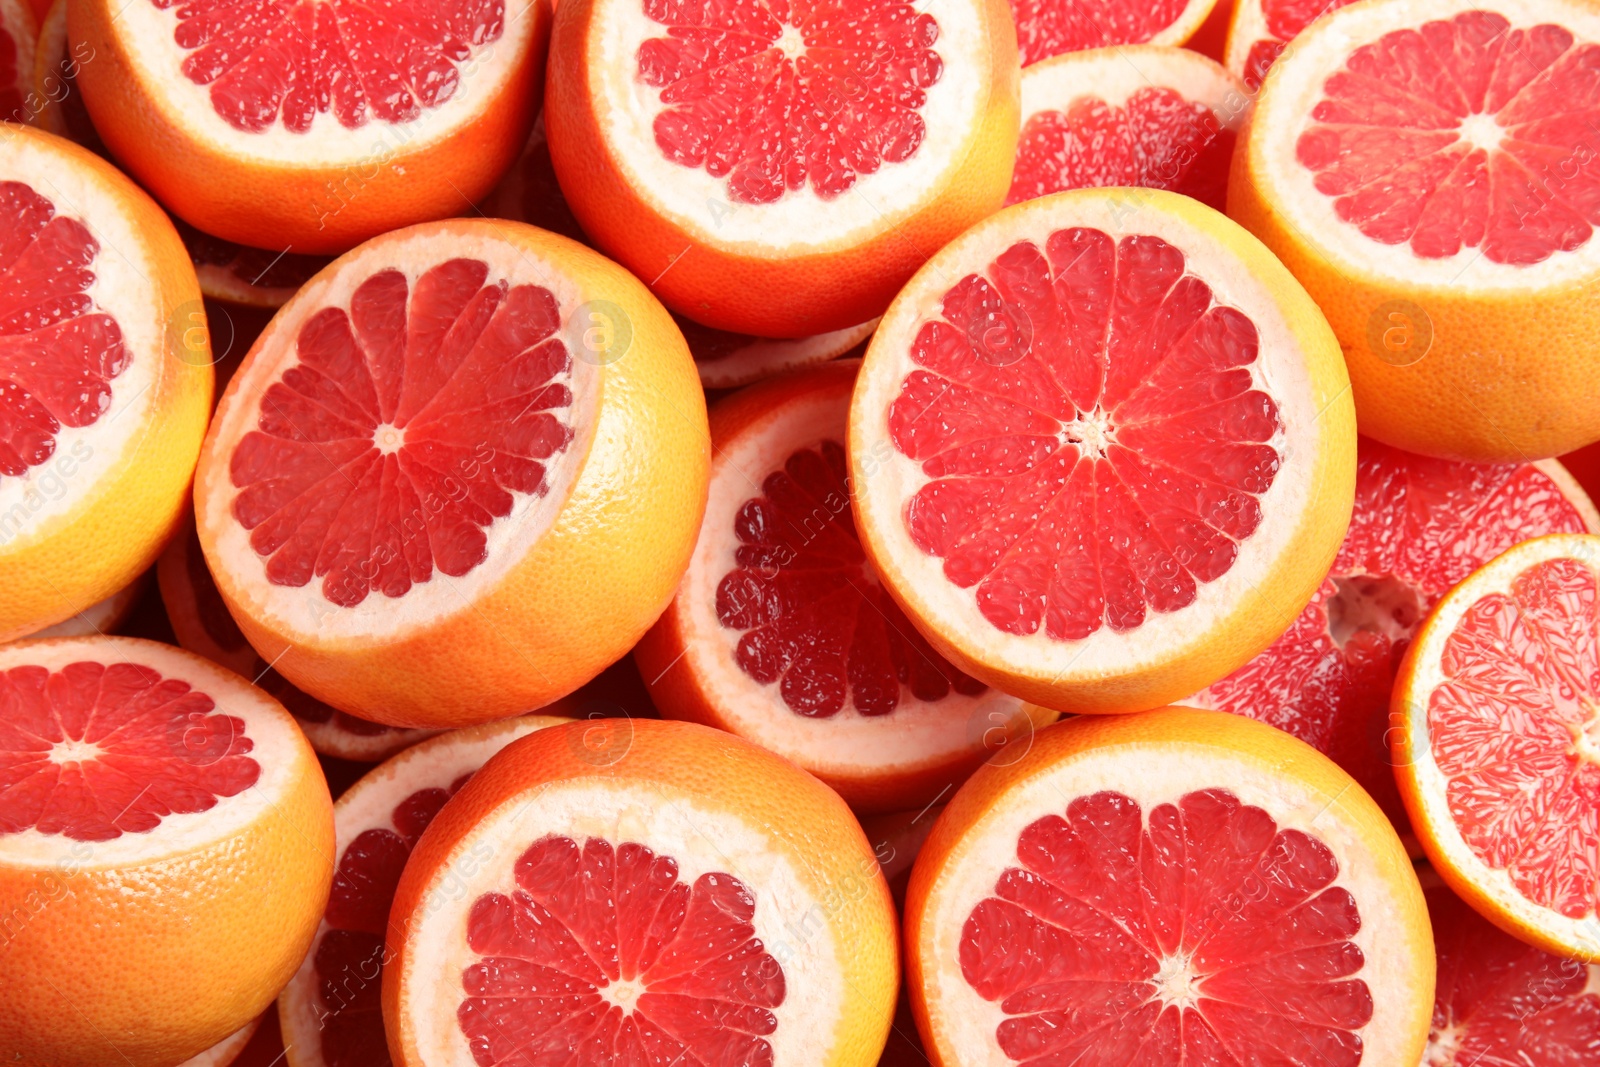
766,357
1305,510
228,1049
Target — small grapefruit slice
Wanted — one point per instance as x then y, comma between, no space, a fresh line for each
1261,29
1179,886
229,1050
101,617
1151,116
1102,449
458,475
313,124
19,44
774,169
239,274
165,844
201,623
104,392
1412,162
55,81
1497,741
330,1011
781,632
1048,28
1419,526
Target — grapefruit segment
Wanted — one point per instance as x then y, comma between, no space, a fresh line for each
1048,28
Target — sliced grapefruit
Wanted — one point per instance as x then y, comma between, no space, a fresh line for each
1048,28
229,1050
1179,886
459,474
1497,741
781,632
102,617
239,274
780,170
1420,525
1261,29
166,843
1422,166
104,387
1102,449
19,43
312,125
1151,116
201,624
55,82
329,1011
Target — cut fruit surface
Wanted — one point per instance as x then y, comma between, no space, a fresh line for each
782,633
1082,461
1174,886
638,910
313,124
193,827
238,274
1151,116
1406,164
1419,526
773,169
103,389
329,1011
1495,741
459,474
19,42
1261,29
1048,28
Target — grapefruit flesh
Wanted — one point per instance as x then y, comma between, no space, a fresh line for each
1048,28
1420,525
1280,21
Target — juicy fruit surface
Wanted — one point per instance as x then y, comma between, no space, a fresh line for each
1155,140
1499,1001
1285,19
816,622
1048,28
58,354
1514,727
289,60
1460,134
1089,422
402,432
93,751
604,949
1201,934
787,94
1420,525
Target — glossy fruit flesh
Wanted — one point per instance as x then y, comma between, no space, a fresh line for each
603,950
1203,934
1462,134
790,93
94,751
1048,28
1092,429
58,355
817,622
401,434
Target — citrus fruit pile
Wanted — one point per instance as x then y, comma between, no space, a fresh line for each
761,533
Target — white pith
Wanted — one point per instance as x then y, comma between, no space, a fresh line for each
763,358
964,1023
846,744
1278,370
304,610
799,221
1116,73
125,288
1294,89
1440,831
276,750
790,920
369,805
228,1049
100,617
146,35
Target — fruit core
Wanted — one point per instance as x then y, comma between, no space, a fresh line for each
1092,433
816,621
410,423
780,95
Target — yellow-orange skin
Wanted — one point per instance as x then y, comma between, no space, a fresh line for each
120,525
1165,731
148,965
584,594
802,818
779,294
1509,377
312,208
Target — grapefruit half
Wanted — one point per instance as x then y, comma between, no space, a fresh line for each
1179,886
1102,449
229,1049
459,474
1260,30
1048,28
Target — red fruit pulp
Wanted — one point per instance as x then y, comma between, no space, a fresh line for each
603,950
1203,935
94,751
1048,28
1285,19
